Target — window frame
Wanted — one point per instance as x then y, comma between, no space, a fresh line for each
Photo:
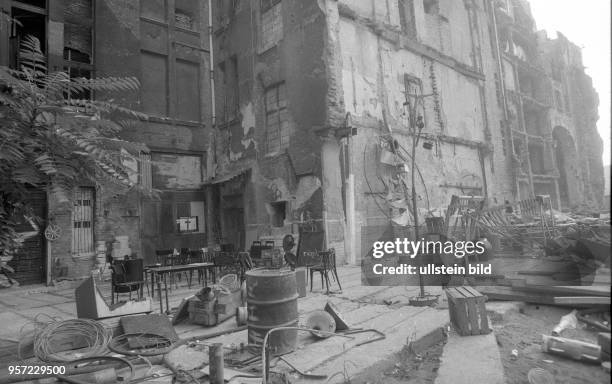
276,87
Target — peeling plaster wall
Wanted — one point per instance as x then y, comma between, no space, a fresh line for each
454,58
578,119
297,59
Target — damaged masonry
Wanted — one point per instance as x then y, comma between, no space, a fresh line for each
269,146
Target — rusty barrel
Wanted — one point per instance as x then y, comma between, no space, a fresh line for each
272,302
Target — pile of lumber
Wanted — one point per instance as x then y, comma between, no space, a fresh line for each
570,296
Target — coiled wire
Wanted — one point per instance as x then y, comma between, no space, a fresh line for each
48,336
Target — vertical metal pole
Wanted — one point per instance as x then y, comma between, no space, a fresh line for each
415,213
215,359
210,155
350,203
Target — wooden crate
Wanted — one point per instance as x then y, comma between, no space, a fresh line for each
466,307
213,312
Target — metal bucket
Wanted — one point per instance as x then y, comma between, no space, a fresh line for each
272,302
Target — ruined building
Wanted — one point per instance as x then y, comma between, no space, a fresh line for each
165,45
310,130
313,114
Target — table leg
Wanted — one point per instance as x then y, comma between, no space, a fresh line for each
152,284
166,289
159,292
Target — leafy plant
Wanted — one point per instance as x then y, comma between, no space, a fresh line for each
53,141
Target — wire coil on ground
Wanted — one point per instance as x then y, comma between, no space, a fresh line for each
89,332
141,344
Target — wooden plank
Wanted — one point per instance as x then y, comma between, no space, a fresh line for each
461,315
582,300
473,317
507,293
589,290
484,320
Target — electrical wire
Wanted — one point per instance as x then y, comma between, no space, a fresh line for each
148,344
420,175
365,176
48,336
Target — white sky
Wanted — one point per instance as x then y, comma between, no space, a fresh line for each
587,24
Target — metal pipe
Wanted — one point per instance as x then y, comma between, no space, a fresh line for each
210,155
266,367
213,115
215,360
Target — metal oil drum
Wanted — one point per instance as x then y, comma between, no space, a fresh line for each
272,302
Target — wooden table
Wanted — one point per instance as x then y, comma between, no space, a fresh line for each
159,273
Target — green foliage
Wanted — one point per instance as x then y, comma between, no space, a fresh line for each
52,141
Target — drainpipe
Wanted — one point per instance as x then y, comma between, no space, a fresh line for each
350,205
210,154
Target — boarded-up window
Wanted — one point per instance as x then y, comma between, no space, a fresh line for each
277,122
271,27
187,91
176,171
154,87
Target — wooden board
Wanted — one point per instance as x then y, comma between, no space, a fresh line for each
309,242
582,300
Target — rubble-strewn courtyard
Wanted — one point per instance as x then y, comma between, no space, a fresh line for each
301,191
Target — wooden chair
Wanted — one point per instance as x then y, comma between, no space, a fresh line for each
127,276
245,262
326,264
255,251
225,263
164,257
199,256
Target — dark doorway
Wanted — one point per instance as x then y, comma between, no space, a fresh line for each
30,260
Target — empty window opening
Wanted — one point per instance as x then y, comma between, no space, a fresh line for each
185,14
536,157
29,24
278,212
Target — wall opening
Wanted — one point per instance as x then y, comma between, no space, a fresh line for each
278,213
567,164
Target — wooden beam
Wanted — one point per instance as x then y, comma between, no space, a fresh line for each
582,300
